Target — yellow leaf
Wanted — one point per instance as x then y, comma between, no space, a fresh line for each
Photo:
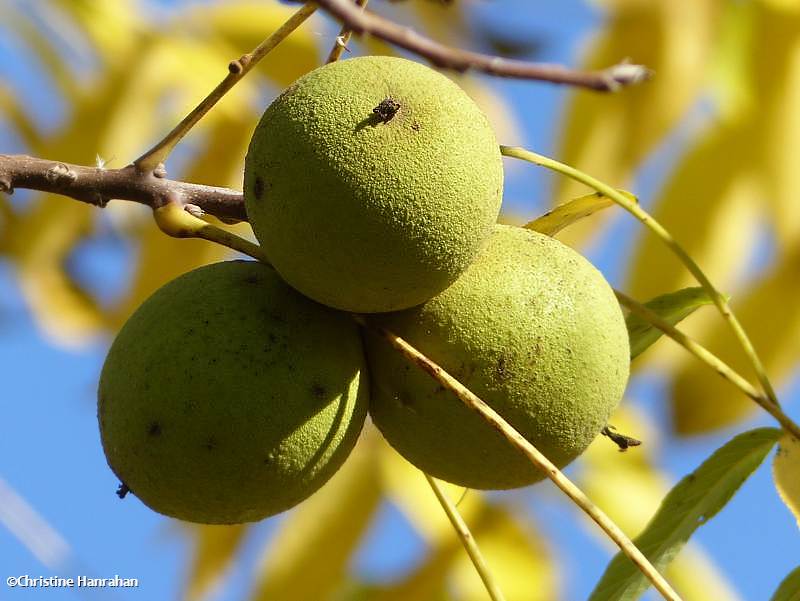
608,135
776,83
569,212
701,399
214,550
308,556
243,25
407,488
514,551
517,558
14,113
39,244
710,206
786,472
110,27
443,22
41,45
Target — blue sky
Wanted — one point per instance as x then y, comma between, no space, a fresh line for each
50,452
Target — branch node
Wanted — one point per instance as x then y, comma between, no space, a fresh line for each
625,74
194,210
341,43
160,171
6,186
60,173
236,66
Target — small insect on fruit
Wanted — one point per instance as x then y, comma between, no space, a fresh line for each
387,109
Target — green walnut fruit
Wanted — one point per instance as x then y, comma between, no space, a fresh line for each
372,182
535,331
228,397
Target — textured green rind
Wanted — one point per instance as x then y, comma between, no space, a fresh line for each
368,216
534,330
228,397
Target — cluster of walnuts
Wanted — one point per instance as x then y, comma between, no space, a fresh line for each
373,185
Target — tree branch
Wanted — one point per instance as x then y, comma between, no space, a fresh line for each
97,186
363,22
237,69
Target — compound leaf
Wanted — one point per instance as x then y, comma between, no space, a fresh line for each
691,503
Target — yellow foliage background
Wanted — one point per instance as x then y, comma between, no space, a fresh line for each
720,119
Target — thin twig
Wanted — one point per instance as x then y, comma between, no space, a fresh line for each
237,69
531,452
608,80
98,186
710,359
647,220
340,45
466,538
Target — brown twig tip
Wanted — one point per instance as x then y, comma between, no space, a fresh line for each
621,440
626,74
355,19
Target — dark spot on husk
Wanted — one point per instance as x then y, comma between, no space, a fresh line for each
258,188
210,444
318,390
154,429
500,368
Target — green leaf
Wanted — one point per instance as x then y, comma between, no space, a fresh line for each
672,307
789,589
561,216
692,502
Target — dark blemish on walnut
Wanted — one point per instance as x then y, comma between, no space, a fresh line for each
258,188
154,429
500,368
252,279
210,444
387,109
318,390
415,125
